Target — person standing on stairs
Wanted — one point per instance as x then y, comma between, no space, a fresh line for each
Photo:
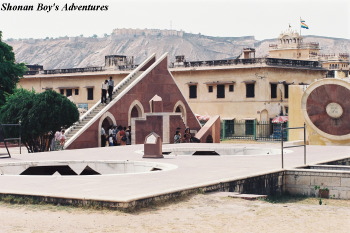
110,88
104,88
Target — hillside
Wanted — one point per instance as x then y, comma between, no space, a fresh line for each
74,52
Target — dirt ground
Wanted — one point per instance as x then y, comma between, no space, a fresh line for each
198,213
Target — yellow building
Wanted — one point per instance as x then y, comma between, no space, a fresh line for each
82,84
255,88
247,88
337,65
243,89
291,46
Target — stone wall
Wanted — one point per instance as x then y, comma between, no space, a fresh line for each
303,182
157,80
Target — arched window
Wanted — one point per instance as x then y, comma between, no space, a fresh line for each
135,110
180,108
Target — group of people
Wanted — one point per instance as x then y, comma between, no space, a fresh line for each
58,141
187,137
107,86
116,136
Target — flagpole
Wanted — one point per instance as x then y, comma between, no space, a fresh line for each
300,26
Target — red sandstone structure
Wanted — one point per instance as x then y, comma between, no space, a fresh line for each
152,146
148,100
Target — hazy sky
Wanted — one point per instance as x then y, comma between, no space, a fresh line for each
262,19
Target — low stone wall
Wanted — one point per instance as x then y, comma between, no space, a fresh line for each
303,182
267,184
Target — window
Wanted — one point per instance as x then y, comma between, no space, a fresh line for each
76,91
273,90
62,91
210,88
193,91
286,94
68,92
90,93
230,88
220,91
250,90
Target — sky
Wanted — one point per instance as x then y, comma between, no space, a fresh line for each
224,18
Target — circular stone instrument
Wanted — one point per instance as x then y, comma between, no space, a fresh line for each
326,108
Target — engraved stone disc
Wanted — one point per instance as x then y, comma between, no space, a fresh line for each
326,107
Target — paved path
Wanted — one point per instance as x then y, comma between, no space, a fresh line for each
191,171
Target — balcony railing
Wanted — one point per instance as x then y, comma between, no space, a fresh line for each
251,61
74,70
78,70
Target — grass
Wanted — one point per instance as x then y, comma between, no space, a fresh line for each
36,203
283,199
21,200
299,199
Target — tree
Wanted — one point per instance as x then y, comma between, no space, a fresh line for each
9,70
40,114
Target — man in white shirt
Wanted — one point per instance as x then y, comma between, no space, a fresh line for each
104,88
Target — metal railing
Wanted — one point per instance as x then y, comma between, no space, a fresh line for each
252,130
250,61
12,136
74,70
282,147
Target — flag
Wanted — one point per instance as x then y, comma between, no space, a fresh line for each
303,24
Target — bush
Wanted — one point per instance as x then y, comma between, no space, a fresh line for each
40,115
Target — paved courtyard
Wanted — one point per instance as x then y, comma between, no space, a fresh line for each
190,171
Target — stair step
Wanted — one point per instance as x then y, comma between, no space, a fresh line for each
101,106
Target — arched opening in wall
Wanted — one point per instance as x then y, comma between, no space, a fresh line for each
209,139
264,128
136,112
264,115
107,123
180,108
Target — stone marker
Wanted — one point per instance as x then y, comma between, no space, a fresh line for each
153,146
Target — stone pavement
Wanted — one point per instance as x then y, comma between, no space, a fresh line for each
191,172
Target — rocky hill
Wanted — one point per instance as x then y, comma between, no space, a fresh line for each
72,52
